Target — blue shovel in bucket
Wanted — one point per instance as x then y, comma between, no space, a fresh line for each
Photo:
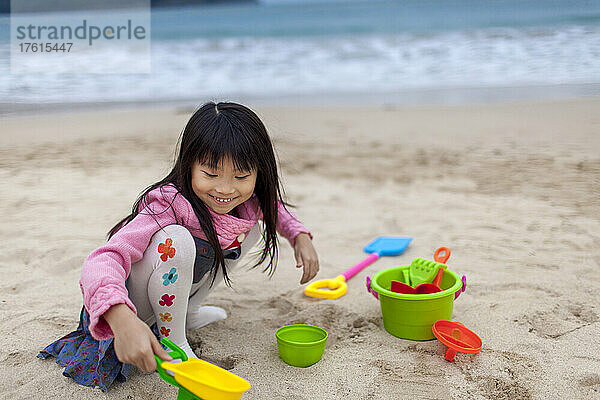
337,287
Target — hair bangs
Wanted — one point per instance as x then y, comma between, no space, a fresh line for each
226,142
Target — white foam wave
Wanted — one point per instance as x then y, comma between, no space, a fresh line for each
287,66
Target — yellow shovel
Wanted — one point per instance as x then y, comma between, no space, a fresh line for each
198,379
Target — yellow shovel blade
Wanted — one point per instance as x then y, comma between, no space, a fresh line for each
206,380
336,287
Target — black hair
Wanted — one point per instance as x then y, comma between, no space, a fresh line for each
216,132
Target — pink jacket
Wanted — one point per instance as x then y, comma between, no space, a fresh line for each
105,270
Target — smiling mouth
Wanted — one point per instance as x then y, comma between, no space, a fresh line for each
221,200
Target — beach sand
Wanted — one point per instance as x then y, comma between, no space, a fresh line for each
511,189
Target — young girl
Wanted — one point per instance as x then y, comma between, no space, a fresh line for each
184,233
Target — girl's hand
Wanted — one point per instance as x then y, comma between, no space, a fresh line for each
134,341
306,256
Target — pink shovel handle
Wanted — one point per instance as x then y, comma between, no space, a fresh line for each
360,266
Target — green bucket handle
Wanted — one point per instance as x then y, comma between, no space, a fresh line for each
177,353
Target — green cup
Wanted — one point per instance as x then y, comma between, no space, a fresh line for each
301,345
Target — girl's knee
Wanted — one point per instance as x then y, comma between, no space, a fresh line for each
175,242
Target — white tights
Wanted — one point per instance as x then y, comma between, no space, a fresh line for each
160,285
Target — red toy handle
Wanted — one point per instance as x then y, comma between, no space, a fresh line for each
439,258
437,281
450,353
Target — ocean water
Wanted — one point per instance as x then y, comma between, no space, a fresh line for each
319,50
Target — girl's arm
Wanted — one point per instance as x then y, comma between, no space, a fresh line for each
289,226
134,341
300,238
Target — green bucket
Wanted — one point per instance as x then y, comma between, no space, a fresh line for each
411,316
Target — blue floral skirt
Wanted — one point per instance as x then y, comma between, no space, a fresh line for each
87,361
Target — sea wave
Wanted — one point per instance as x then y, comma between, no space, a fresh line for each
274,66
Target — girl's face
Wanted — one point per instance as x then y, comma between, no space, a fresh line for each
224,188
